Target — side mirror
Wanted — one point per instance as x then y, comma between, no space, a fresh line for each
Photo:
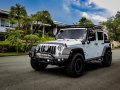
91,38
90,33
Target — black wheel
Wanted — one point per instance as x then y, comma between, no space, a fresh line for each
38,66
107,59
75,66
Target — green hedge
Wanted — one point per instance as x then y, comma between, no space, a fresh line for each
6,46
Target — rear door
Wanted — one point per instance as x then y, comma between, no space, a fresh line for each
100,42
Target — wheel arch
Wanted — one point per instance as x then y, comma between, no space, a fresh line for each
33,48
77,50
105,49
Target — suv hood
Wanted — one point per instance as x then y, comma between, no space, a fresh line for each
68,42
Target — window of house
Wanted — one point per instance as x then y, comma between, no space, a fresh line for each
100,35
3,22
7,23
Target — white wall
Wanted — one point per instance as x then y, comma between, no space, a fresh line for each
3,28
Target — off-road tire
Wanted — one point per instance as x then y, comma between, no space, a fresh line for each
76,65
107,59
38,66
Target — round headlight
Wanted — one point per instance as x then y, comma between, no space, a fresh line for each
60,48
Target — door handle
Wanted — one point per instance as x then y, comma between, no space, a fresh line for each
96,43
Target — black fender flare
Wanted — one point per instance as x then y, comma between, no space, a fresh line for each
32,51
105,49
71,52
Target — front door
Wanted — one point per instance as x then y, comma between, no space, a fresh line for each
91,48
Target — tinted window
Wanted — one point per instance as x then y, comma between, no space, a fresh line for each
105,37
93,37
100,35
72,34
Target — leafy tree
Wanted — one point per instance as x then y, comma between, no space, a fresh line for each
17,12
85,21
113,26
31,39
26,25
42,17
14,38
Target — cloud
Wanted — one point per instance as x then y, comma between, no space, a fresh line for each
84,14
66,8
111,5
86,8
94,17
98,18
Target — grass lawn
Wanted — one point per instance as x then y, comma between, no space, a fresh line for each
12,54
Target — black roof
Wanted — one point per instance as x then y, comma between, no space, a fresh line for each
89,27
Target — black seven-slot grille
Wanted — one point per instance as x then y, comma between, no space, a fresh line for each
48,49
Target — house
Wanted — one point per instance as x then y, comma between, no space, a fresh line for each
5,23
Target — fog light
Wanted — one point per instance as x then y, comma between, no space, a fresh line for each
48,60
62,59
58,59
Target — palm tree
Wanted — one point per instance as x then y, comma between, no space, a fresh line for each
42,17
26,24
17,12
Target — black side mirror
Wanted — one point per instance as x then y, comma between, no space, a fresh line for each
91,38
91,35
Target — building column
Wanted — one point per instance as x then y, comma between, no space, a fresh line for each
43,32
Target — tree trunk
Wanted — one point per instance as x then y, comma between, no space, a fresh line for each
43,32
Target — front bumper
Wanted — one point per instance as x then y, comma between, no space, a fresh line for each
48,58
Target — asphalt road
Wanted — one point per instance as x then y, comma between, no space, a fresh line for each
17,74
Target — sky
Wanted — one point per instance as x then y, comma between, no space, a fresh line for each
69,11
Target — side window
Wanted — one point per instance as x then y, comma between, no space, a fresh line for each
100,35
105,37
92,37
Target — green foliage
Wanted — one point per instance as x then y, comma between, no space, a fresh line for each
14,38
26,24
17,12
5,43
31,38
46,38
85,21
113,26
42,17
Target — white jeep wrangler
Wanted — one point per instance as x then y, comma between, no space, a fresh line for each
72,48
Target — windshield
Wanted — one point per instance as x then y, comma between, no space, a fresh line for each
72,34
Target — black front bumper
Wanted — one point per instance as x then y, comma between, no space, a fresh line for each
50,59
